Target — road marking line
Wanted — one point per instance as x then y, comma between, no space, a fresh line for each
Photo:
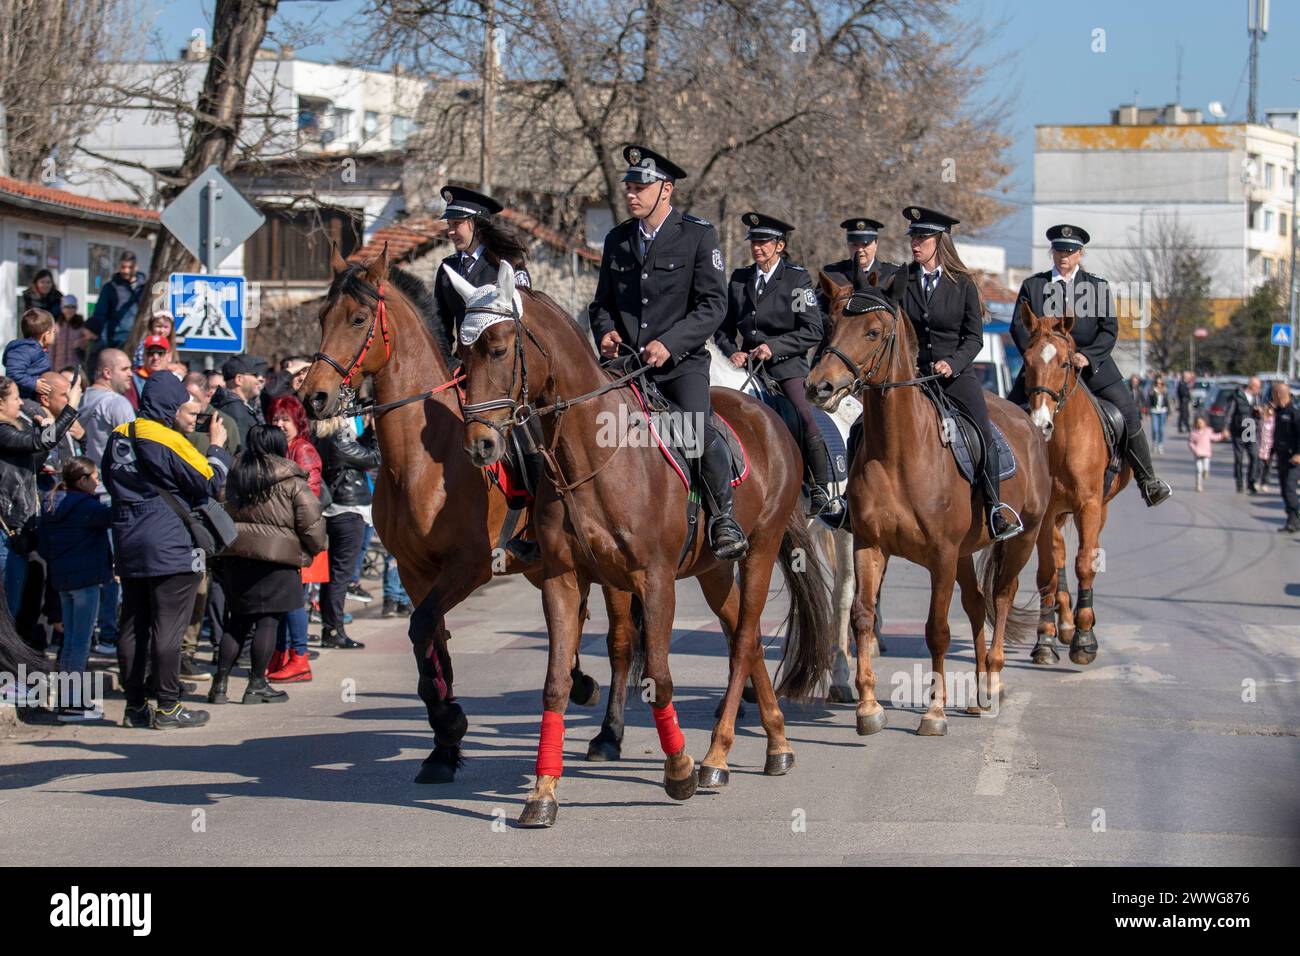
998,752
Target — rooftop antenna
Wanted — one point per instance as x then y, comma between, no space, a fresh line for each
1257,26
1178,75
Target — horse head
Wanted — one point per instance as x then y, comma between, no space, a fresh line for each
356,339
1049,356
865,333
492,344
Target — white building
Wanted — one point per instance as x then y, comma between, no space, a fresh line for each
77,238
295,108
1229,183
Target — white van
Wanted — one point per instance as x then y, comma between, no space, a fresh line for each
991,364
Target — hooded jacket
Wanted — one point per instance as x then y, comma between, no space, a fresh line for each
286,527
73,540
25,361
150,539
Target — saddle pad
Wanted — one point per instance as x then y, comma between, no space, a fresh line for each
676,455
968,450
510,483
825,424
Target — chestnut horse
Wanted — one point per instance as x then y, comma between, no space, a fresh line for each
613,512
907,498
1077,457
434,511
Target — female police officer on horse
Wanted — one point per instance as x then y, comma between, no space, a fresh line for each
773,307
1067,290
944,307
481,242
661,294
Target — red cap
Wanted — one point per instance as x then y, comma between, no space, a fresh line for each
157,342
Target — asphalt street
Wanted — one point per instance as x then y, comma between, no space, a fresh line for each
1177,746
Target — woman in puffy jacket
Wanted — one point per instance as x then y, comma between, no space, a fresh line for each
345,459
280,530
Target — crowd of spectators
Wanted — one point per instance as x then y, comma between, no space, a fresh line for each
110,463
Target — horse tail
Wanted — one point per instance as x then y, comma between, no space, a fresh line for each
637,665
14,651
1022,621
809,649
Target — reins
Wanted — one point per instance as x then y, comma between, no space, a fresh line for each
861,380
1061,395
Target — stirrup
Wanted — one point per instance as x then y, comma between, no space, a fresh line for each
1163,491
524,550
733,551
1015,526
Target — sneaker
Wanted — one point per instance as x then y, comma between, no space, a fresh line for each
178,717
69,715
405,608
357,593
190,670
104,649
390,608
141,716
339,641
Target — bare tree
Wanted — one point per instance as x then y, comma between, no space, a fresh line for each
55,57
805,110
1177,269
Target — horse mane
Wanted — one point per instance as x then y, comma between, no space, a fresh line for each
353,281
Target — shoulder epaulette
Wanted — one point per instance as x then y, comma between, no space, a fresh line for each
791,265
687,217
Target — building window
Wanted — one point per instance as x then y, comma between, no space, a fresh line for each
1281,224
371,128
341,126
313,119
1268,175
1268,220
100,268
403,127
294,246
37,252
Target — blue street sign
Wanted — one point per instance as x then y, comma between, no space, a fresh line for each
209,311
1281,334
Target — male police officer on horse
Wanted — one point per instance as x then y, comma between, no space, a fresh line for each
1067,290
662,294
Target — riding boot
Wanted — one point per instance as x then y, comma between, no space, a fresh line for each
531,467
1154,489
1003,521
726,537
818,459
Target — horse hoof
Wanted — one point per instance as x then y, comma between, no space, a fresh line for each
1083,649
713,778
869,724
1044,653
539,814
1065,635
740,710
682,789
778,764
932,727
440,766
840,694
585,692
602,749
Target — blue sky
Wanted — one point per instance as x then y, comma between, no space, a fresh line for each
1040,59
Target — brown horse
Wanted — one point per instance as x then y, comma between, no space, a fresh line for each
906,496
614,513
434,511
1077,457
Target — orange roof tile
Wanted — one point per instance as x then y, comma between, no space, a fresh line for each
76,203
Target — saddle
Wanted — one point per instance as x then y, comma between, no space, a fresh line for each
1112,427
839,453
965,440
673,445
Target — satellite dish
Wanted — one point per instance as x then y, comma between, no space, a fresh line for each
1217,110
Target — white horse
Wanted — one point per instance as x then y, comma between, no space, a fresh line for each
836,546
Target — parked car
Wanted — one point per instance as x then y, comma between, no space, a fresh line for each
1229,384
992,366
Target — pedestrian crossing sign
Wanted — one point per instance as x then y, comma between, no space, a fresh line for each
1281,334
209,311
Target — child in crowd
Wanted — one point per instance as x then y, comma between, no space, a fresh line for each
28,358
73,539
1199,440
1266,425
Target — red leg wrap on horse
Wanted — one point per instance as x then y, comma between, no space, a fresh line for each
550,750
670,734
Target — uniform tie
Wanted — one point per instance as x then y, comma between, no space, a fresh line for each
762,284
466,264
931,280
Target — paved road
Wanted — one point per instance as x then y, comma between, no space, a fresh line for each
1148,756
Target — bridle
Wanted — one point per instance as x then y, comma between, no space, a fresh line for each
882,356
379,322
1061,395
